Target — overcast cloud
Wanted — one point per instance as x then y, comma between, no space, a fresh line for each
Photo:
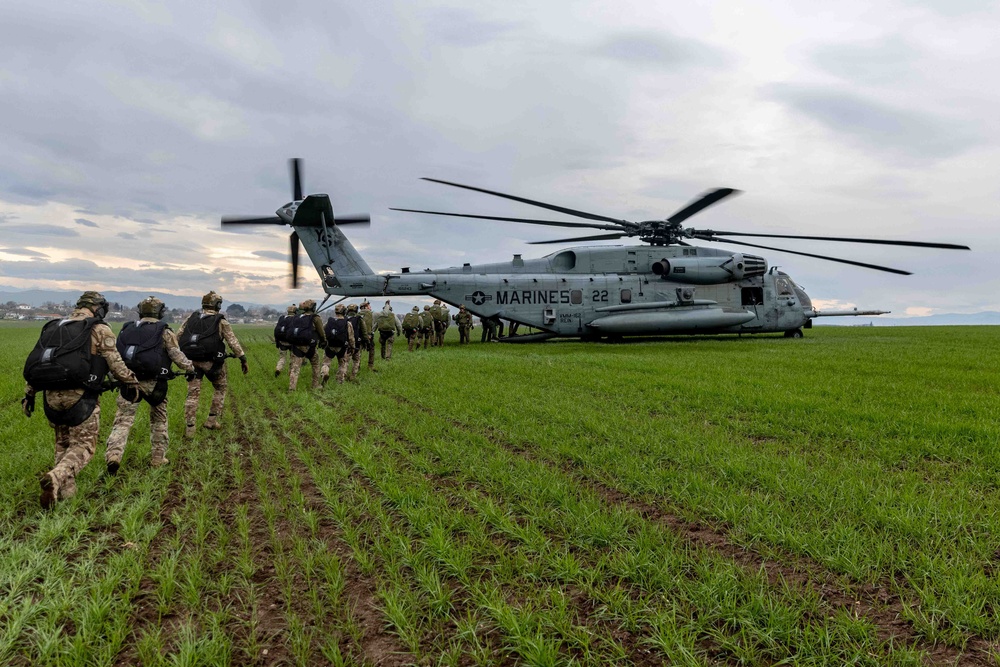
130,128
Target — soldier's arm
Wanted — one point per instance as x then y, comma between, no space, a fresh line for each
318,326
399,329
104,341
350,337
226,330
174,351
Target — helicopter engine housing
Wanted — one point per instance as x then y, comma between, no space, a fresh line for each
709,270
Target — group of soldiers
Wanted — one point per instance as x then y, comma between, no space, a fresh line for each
73,356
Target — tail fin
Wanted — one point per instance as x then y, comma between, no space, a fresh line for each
319,231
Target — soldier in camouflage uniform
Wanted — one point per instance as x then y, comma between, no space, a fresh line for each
310,352
445,323
75,444
354,362
215,371
368,333
411,324
426,327
150,310
388,327
284,349
464,321
344,354
435,322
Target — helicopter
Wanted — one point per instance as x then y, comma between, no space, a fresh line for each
665,287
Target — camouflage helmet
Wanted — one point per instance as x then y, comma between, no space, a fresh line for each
437,302
353,308
427,307
462,307
339,309
95,301
151,307
211,301
307,306
292,310
416,309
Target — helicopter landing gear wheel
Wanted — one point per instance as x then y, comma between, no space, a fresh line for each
794,333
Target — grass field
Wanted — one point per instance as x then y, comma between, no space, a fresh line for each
704,501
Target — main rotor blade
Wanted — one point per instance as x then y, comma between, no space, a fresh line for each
918,244
296,166
598,237
251,220
353,219
294,240
532,202
806,254
529,221
703,202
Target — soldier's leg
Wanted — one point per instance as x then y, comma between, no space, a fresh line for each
282,360
124,418
191,406
325,371
314,364
158,434
219,382
343,362
293,372
388,347
355,363
78,444
371,352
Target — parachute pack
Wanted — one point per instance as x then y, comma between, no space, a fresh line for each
281,330
61,359
201,339
336,332
141,346
300,329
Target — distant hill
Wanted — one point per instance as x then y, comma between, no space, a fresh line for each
944,319
36,297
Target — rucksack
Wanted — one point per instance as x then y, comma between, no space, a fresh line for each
386,322
141,346
61,359
281,329
300,329
356,323
336,332
200,340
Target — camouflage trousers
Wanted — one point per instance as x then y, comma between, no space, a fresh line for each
385,343
343,362
283,356
194,393
424,337
463,334
124,419
411,338
297,361
371,351
355,363
75,445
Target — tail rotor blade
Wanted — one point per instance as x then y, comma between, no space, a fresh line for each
353,219
294,239
296,166
251,220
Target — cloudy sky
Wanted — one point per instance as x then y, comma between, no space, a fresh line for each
129,128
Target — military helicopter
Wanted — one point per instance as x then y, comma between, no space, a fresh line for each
666,286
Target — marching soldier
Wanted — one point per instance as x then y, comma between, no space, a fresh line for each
354,361
464,321
341,341
411,323
426,327
445,323
436,322
388,327
281,338
307,338
69,363
368,332
203,339
148,348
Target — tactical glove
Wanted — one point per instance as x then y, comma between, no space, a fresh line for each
243,364
131,392
28,405
191,376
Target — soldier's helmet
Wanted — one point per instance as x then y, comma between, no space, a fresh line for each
427,307
307,306
462,307
437,302
151,307
211,301
365,304
352,308
95,301
293,310
339,309
416,309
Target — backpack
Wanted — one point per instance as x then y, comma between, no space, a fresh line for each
386,322
281,329
141,346
61,359
200,340
336,332
356,323
300,329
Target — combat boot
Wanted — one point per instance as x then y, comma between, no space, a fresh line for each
113,467
158,458
277,372
212,423
189,430
68,489
50,490
326,378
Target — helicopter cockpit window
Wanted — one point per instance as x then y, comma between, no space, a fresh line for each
784,286
626,296
576,297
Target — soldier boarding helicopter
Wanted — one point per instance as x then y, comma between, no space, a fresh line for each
665,287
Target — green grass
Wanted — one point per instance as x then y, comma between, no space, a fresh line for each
698,501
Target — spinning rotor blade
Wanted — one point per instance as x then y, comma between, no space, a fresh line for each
251,220
532,202
353,219
530,221
294,239
705,233
700,204
296,166
806,254
599,237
